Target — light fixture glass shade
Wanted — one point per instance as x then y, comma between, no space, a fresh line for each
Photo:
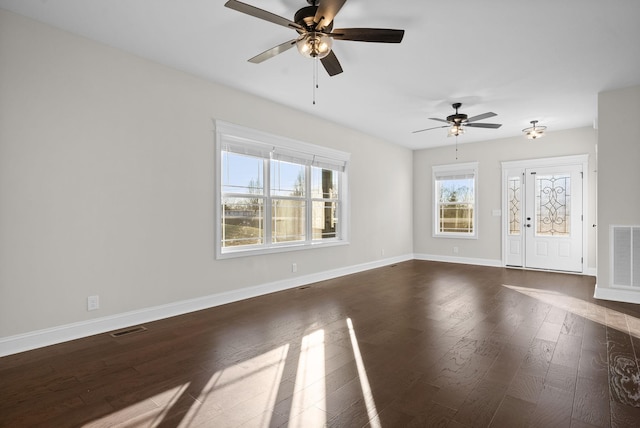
455,130
534,132
314,44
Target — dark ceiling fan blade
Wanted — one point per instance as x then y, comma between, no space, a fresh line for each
439,120
260,13
481,116
484,125
380,35
331,64
429,129
327,10
270,53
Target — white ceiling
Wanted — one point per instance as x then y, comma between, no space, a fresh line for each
522,59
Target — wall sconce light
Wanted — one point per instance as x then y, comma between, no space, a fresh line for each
534,131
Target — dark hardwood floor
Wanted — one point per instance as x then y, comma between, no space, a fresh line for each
417,344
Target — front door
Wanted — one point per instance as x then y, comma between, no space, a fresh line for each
544,221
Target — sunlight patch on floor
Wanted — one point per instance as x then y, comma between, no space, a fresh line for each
151,418
591,311
309,388
226,392
372,411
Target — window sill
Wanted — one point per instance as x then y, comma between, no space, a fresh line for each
455,236
283,248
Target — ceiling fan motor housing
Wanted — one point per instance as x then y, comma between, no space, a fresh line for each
458,118
304,17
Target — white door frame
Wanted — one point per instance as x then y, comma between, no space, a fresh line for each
582,160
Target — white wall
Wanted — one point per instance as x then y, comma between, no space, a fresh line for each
106,183
487,248
619,177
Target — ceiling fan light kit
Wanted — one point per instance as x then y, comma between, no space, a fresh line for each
314,44
534,131
455,130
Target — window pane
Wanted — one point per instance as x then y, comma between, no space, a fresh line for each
324,218
455,190
242,221
287,179
242,174
288,220
324,183
456,218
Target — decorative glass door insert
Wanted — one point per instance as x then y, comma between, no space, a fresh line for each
553,204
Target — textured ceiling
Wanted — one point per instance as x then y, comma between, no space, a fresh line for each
524,60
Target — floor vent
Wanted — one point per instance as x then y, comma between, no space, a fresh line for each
128,331
625,256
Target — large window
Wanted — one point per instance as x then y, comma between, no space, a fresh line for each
455,203
276,194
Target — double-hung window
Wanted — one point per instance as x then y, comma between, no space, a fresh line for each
455,200
277,194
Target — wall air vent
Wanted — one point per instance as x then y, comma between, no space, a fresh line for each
625,256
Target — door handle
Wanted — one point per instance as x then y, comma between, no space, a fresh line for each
528,225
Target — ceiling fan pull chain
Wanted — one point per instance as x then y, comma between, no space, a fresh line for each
315,78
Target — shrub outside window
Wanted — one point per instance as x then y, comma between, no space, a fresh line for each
455,202
277,194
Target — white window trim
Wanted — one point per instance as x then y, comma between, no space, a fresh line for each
228,133
454,169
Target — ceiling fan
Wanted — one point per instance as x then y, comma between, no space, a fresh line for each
314,25
458,121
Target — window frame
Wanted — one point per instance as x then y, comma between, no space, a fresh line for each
441,172
273,147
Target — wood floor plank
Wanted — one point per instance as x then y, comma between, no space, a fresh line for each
591,403
554,408
538,358
481,404
526,387
513,413
562,377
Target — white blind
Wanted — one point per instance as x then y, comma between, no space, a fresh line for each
328,163
454,176
248,142
461,171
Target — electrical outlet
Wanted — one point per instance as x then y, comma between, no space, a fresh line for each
93,303
294,267
382,253
455,250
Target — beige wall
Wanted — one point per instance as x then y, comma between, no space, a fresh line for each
489,155
106,183
618,177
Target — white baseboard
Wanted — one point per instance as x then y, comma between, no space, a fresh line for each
462,260
483,262
617,294
50,336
